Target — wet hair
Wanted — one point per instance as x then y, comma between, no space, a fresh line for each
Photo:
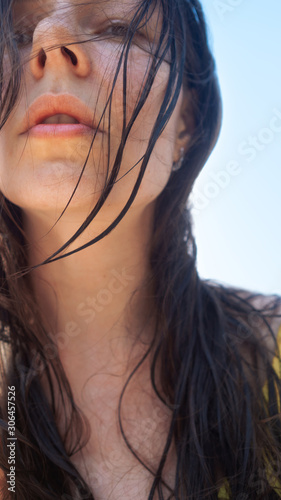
207,341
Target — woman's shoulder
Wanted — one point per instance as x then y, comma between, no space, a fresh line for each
255,306
270,306
252,313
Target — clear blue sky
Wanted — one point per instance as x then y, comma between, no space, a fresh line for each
237,214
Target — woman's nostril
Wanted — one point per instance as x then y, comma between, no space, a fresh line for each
42,57
71,55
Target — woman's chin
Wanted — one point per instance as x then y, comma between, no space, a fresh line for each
46,201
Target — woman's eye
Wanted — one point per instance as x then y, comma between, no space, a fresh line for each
124,32
119,30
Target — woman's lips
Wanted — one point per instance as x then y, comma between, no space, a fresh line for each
59,130
49,105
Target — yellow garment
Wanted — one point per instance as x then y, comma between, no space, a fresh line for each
276,363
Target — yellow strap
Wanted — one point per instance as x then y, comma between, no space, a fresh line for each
276,362
222,495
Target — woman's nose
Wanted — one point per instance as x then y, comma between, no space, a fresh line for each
73,58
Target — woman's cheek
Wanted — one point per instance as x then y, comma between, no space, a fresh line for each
137,65
138,69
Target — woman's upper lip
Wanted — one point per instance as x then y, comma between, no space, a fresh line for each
53,104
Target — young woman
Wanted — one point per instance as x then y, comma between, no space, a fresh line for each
123,374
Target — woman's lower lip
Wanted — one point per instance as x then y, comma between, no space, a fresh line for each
58,130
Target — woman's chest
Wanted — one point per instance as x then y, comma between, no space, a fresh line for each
113,479
119,475
112,470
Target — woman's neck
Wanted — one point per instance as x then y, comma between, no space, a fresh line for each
86,300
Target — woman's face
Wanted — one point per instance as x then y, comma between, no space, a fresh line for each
39,173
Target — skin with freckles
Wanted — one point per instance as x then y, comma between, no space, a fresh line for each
40,174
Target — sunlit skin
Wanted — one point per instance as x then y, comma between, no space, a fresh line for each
39,176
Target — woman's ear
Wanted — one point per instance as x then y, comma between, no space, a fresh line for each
186,124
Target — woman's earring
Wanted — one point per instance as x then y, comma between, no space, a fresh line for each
178,164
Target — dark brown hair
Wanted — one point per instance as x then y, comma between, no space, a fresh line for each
208,337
